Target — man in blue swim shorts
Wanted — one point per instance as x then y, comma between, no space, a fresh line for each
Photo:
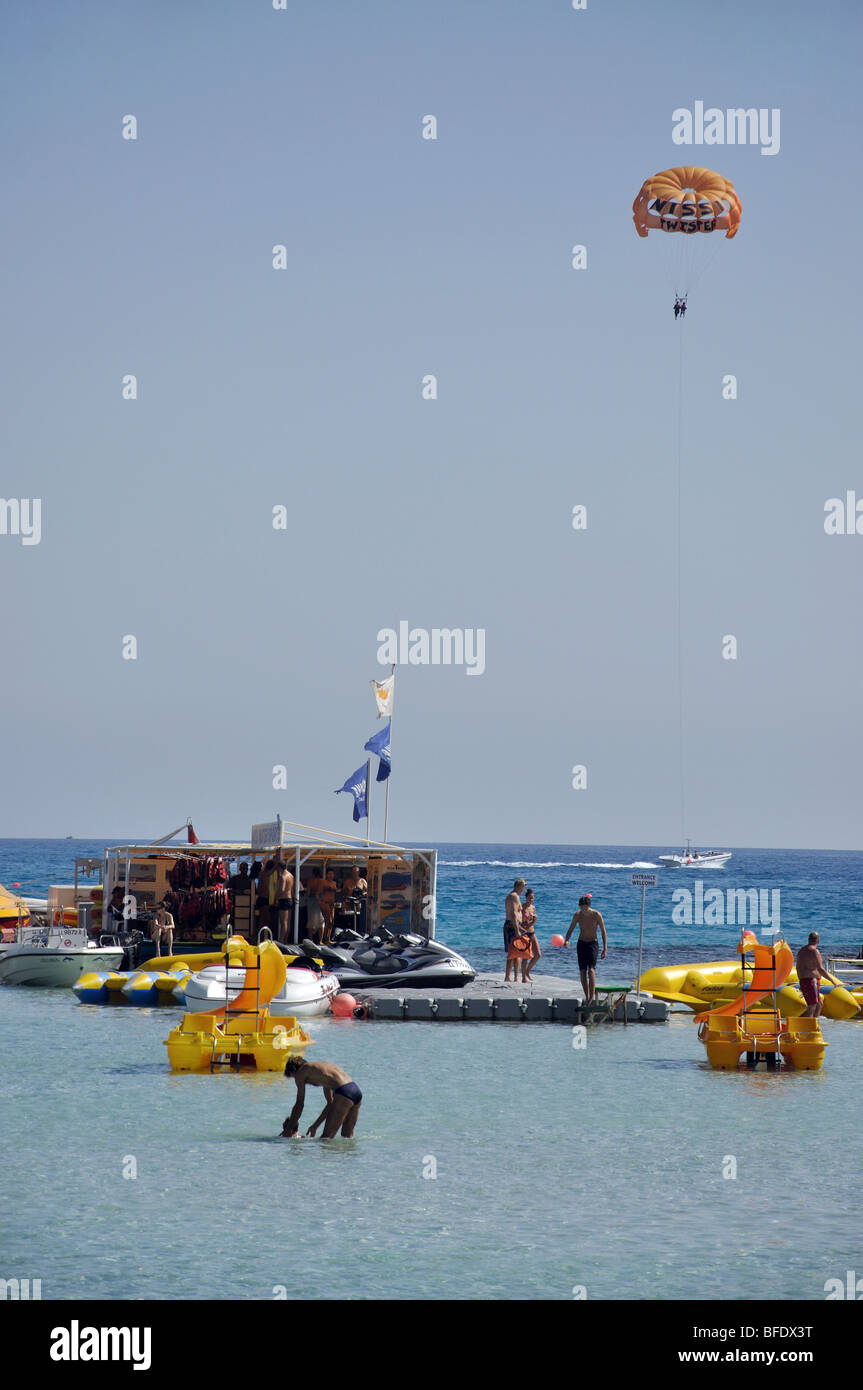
589,922
343,1097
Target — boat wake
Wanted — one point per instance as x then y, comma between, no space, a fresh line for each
542,864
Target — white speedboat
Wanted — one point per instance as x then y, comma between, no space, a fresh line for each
690,858
55,958
304,994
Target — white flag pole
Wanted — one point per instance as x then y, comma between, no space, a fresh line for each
389,779
368,801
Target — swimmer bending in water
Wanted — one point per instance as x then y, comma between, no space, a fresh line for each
343,1097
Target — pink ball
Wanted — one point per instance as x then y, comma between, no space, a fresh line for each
343,1005
557,939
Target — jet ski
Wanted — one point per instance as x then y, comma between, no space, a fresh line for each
386,960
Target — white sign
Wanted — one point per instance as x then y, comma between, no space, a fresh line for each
644,880
67,937
266,836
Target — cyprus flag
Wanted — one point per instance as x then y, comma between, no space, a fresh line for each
383,692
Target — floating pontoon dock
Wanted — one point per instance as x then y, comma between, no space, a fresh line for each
547,999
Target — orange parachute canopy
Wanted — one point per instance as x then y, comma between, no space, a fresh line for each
687,199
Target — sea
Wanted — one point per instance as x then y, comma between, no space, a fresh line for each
491,1161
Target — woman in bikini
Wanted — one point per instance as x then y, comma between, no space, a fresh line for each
528,925
519,951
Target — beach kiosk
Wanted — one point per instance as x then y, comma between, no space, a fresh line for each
400,896
196,879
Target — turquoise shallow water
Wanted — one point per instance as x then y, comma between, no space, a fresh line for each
555,1167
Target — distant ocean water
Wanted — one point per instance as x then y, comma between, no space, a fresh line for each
818,890
822,882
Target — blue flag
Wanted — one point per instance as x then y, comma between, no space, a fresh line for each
356,785
380,744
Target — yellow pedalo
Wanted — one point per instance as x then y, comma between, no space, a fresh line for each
723,1041
740,1025
802,1044
262,1040
244,1033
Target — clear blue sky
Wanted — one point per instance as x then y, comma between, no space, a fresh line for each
409,257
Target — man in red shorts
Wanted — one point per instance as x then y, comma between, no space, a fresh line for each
810,971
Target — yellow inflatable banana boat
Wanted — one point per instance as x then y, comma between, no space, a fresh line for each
160,980
719,981
195,960
12,911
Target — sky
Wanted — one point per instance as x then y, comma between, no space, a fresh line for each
302,388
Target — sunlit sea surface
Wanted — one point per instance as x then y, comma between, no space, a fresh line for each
554,1167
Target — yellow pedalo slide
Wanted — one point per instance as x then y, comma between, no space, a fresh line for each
244,1033
749,1024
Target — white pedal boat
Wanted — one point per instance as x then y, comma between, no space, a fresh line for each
304,994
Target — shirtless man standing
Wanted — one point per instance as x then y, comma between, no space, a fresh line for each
262,893
343,1097
588,921
284,899
528,927
163,926
810,969
316,891
327,896
512,922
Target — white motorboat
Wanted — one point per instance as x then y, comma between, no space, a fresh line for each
690,858
305,993
55,957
